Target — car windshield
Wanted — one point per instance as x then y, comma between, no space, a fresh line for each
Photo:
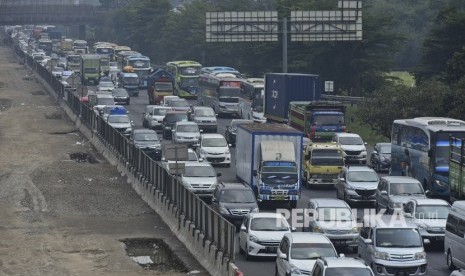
398,237
199,171
163,86
176,118
432,212
118,119
106,101
146,137
90,70
204,113
214,142
120,93
159,111
312,251
405,189
106,84
334,214
237,196
178,103
362,176
131,80
385,149
187,128
269,224
192,156
350,141
348,271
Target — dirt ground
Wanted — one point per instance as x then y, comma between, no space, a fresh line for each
59,216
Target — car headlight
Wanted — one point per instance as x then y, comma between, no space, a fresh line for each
364,153
349,187
202,151
187,185
253,238
440,183
355,230
178,137
223,210
227,151
295,270
318,229
420,255
381,255
254,210
422,227
397,205
167,127
382,158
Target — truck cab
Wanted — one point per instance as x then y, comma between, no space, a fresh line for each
322,163
129,81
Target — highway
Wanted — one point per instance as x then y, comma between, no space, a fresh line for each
436,258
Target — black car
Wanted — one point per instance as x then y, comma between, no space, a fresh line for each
233,201
148,141
170,119
230,133
380,159
121,96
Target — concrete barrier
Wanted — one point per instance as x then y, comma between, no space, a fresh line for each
205,252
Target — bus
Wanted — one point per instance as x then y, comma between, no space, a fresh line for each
420,149
80,46
186,74
251,100
46,45
221,94
141,66
105,50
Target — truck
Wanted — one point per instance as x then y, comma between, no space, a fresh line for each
282,88
160,83
317,120
129,81
90,69
457,169
66,47
269,159
322,163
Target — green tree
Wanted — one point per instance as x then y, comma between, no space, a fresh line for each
455,70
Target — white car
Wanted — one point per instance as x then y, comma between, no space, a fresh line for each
153,116
353,147
214,148
298,252
57,72
261,233
105,86
166,99
185,133
199,178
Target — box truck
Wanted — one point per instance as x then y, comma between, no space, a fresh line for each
269,159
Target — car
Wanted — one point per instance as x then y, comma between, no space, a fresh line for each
342,266
261,233
153,116
357,184
458,273
105,86
394,191
353,147
205,118
393,247
380,159
230,133
121,96
185,133
333,218
57,72
166,99
199,178
214,149
233,201
191,157
121,123
178,104
147,140
298,252
430,215
101,100
170,119
454,240
113,109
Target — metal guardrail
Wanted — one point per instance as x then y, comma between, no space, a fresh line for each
214,227
344,99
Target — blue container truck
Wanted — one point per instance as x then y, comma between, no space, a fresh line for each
269,159
282,88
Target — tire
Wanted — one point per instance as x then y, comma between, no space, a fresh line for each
376,207
246,253
241,251
276,271
450,263
377,168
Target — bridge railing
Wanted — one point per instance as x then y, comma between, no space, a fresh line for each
213,226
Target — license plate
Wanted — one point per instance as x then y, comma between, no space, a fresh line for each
279,197
271,249
336,242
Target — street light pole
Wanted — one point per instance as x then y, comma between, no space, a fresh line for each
285,45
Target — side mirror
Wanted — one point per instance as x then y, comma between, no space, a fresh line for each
293,229
173,130
218,174
374,151
342,179
200,159
255,173
230,145
342,255
427,192
383,192
201,130
282,255
214,200
132,122
368,241
243,229
426,241
365,143
408,215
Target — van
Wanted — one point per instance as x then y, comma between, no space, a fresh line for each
454,240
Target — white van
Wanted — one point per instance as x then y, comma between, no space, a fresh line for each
454,241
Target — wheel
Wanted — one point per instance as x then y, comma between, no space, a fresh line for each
450,263
345,197
376,207
337,193
377,168
246,251
241,251
276,271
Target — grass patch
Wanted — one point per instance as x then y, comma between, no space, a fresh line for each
404,77
355,125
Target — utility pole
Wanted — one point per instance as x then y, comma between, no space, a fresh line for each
285,45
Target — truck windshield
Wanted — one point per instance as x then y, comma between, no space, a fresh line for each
186,82
189,71
131,80
398,237
229,92
279,175
327,157
90,70
328,119
163,86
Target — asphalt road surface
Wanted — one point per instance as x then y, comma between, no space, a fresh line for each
436,258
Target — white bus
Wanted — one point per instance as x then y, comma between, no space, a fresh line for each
251,100
221,94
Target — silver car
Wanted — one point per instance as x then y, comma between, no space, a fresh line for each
357,184
200,178
186,133
394,191
205,118
121,123
153,116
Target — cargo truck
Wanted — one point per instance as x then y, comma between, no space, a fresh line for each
160,83
90,69
317,120
282,88
269,159
322,164
457,169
